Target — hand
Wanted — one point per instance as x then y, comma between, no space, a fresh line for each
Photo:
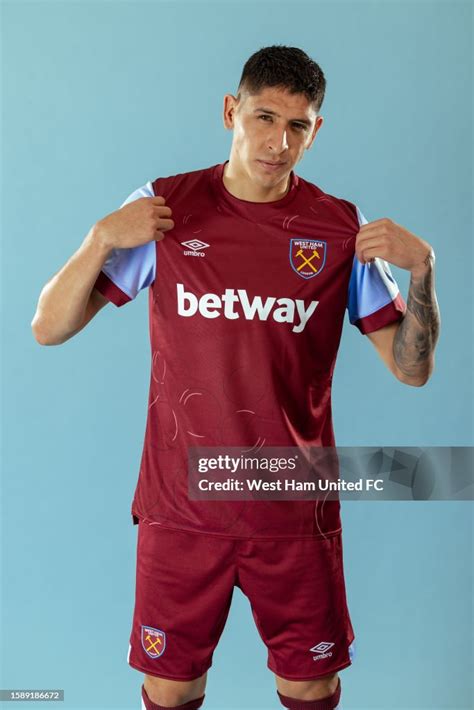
136,223
393,243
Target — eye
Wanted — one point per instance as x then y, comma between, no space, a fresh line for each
299,126
265,116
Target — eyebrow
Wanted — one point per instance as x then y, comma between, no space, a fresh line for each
274,113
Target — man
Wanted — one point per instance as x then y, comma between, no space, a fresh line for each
248,286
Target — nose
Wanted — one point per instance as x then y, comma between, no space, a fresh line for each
277,140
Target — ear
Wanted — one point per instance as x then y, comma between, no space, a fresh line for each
230,106
317,126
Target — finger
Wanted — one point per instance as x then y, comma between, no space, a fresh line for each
165,224
372,233
363,244
157,200
371,229
163,210
159,236
375,224
363,241
369,255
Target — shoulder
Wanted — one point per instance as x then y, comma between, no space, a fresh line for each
337,207
167,185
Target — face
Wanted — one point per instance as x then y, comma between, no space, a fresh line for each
271,131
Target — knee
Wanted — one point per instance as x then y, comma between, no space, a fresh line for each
173,693
325,688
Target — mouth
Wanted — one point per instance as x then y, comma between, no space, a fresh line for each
270,165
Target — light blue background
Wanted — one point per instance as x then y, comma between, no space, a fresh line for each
100,97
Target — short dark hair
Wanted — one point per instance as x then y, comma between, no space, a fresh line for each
285,67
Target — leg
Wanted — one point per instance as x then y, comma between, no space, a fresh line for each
166,693
319,694
184,589
308,689
301,615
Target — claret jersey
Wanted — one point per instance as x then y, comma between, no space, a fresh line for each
246,308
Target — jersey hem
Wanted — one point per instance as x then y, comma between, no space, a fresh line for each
319,536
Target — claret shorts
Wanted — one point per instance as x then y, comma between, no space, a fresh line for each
184,587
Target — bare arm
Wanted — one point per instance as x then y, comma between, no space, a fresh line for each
407,348
69,301
417,335
66,303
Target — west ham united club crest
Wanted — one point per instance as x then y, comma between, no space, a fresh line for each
153,641
307,257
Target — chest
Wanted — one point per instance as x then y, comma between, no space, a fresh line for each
292,256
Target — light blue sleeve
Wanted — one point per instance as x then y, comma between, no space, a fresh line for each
374,299
129,270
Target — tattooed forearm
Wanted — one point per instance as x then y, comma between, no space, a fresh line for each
417,334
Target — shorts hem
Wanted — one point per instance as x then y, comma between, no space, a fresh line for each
165,675
310,677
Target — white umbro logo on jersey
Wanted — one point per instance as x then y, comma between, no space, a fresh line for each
195,247
321,649
212,305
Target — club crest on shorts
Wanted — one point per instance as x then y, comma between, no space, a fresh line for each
307,257
153,641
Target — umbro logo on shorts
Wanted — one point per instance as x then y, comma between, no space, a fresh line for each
153,641
321,649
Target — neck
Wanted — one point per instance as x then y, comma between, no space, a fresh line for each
240,185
